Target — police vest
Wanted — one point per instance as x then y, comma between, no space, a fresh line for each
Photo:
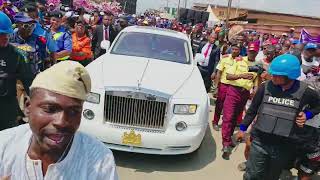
277,114
31,56
8,69
57,36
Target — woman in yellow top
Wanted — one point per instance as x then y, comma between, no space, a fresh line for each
81,44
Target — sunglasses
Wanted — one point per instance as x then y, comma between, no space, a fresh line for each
27,26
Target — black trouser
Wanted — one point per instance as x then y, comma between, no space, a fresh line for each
266,161
8,112
206,78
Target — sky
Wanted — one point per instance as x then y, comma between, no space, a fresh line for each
296,7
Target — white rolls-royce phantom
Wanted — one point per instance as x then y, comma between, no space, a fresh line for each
147,94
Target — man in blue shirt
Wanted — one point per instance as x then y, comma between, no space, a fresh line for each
40,31
33,47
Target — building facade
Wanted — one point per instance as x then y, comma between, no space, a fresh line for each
264,22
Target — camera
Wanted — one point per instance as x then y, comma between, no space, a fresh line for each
257,69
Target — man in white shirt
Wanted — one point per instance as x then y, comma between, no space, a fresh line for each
262,54
211,57
310,64
50,147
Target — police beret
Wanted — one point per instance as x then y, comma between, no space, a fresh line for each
56,14
22,18
29,7
46,14
43,2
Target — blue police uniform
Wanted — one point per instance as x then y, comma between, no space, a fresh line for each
63,40
46,34
37,52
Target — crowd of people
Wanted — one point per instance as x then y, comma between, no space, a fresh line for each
266,83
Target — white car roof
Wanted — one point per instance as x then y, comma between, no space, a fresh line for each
154,30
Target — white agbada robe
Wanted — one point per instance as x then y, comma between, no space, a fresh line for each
87,159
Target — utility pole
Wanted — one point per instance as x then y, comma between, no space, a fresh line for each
227,20
125,5
228,14
178,13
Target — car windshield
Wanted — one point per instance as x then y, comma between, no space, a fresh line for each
152,46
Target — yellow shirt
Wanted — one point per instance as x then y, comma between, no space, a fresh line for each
225,63
241,67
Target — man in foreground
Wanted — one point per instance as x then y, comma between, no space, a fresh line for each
49,147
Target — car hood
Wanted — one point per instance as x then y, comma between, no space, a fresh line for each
138,72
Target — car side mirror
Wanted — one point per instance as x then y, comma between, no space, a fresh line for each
105,44
199,58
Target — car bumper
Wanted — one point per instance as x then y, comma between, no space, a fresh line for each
169,142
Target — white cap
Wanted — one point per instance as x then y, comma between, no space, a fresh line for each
68,78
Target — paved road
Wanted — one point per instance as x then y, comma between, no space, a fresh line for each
204,164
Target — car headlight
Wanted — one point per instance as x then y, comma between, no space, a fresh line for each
93,98
185,109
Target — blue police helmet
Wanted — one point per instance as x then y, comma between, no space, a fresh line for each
286,65
5,24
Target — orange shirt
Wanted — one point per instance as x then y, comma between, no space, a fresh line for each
81,48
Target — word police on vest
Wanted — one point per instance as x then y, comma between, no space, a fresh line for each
281,101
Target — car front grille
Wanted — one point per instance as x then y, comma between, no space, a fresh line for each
132,112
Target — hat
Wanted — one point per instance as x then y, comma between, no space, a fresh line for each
56,14
292,29
310,46
29,7
235,44
284,34
295,41
23,18
253,47
70,79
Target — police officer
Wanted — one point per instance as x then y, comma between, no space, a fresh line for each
42,33
29,45
282,106
12,67
61,35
